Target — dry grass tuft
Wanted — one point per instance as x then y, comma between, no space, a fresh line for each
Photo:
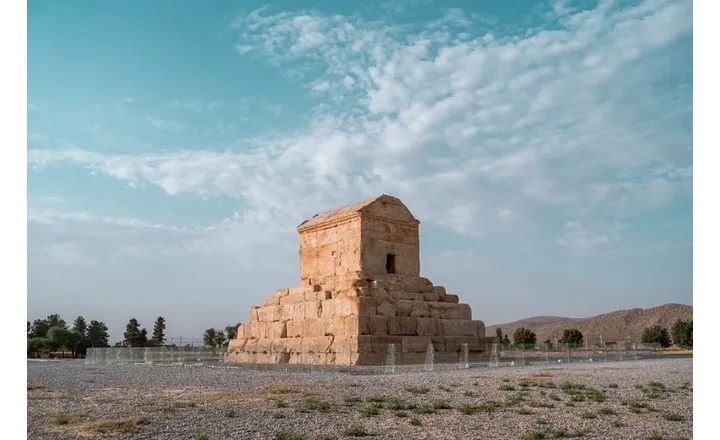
113,426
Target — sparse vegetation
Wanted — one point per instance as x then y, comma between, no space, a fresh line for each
418,390
202,436
284,435
588,415
63,419
673,417
415,421
114,426
356,431
606,411
311,404
351,400
370,411
441,404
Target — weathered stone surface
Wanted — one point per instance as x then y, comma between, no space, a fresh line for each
360,291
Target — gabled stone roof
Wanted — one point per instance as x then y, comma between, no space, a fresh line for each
347,211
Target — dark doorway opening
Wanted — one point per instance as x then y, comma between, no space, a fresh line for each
390,263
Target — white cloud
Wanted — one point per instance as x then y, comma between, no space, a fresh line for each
588,238
470,130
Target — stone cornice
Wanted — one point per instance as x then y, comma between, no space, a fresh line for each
352,216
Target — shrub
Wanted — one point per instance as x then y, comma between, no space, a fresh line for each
656,335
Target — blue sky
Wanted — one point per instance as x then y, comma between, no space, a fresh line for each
173,147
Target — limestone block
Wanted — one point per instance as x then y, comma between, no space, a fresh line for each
345,344
312,309
240,333
336,307
465,312
268,314
480,329
417,297
281,292
316,345
415,344
404,307
295,329
456,327
426,281
253,314
293,345
440,290
420,310
434,297
427,327
449,299
264,346
419,288
275,330
364,305
250,345
377,292
255,330
386,309
439,343
402,325
380,344
358,325
443,310
272,301
335,325
279,345
401,296
293,298
379,325
237,345
295,311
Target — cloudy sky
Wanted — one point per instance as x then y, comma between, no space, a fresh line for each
173,148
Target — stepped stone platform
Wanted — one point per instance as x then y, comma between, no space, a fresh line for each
360,291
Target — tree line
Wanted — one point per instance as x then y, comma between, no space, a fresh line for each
52,333
525,337
679,335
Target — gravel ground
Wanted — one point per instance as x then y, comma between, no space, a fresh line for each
649,399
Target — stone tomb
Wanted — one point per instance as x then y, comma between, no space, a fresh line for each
360,291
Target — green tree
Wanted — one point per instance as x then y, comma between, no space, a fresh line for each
231,331
80,326
134,336
158,335
97,334
524,336
506,341
498,334
34,345
209,337
28,328
572,336
39,328
682,333
60,338
656,335
214,338
56,321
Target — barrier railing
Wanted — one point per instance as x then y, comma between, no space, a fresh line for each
389,358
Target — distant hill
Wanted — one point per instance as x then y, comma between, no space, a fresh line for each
621,325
